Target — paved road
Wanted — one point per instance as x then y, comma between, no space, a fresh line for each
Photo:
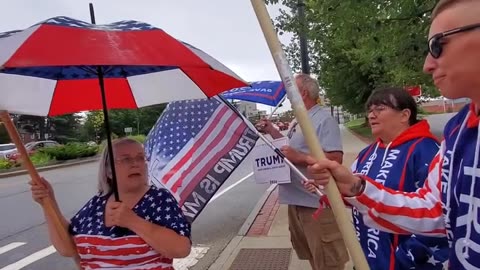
23,235
437,123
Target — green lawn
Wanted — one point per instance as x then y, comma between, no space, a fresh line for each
358,126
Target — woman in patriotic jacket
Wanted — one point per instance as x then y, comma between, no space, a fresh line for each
146,230
399,160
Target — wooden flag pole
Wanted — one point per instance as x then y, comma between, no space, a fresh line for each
49,205
344,222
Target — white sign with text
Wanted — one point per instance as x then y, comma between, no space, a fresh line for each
268,166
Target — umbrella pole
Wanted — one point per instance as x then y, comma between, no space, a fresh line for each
49,205
336,202
106,121
270,144
109,137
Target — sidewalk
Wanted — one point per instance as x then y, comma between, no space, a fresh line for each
265,244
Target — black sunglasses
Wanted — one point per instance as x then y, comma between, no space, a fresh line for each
435,46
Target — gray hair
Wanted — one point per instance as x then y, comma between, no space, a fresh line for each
308,83
105,170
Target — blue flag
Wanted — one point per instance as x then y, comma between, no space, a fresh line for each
264,92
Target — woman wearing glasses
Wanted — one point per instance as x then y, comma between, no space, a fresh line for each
146,230
399,160
448,202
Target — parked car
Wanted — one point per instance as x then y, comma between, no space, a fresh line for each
6,149
32,147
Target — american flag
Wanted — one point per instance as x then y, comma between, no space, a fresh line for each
119,248
189,139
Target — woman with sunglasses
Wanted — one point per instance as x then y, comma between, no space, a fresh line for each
449,200
398,159
146,230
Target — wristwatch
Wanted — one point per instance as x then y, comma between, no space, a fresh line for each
359,187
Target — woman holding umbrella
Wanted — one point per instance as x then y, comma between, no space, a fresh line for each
145,230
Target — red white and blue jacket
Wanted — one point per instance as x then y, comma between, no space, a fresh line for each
447,203
401,165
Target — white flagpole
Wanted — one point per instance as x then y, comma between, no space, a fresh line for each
252,127
336,202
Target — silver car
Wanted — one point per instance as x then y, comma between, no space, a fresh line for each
6,149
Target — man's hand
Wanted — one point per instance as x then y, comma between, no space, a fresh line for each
322,170
265,126
296,157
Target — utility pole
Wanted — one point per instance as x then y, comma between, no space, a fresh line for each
303,37
303,41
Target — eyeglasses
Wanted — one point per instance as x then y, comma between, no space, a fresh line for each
376,110
130,160
435,45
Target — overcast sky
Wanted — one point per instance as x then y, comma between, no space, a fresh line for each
228,30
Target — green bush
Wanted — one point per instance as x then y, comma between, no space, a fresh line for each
40,158
71,151
5,164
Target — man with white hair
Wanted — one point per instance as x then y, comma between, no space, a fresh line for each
317,240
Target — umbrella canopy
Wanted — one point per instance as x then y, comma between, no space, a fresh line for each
51,68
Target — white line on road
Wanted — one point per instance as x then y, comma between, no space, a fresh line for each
30,259
10,246
228,188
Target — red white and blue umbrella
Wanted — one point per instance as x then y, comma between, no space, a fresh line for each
63,65
51,67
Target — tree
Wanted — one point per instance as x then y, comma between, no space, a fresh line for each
93,128
357,45
64,128
140,120
4,138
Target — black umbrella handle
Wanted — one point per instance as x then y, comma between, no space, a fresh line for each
106,121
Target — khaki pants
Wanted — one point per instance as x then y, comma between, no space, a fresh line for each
318,241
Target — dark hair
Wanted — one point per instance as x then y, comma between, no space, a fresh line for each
396,98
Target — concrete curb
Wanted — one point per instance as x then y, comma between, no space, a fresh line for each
253,214
51,167
232,245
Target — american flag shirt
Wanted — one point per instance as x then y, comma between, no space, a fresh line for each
101,247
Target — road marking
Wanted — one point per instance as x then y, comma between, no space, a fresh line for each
192,259
180,264
30,259
11,246
230,187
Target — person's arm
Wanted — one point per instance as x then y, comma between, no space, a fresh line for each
335,156
399,212
415,251
167,231
164,240
266,126
392,211
41,192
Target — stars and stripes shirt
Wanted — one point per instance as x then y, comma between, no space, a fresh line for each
102,247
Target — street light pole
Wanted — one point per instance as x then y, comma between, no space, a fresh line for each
303,37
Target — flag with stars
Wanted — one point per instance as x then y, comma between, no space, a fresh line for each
55,63
265,92
194,147
101,247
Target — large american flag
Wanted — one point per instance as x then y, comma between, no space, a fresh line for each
189,140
